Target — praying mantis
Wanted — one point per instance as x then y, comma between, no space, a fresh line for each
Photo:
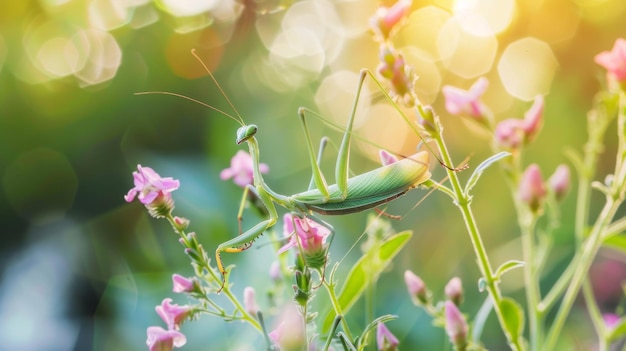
349,194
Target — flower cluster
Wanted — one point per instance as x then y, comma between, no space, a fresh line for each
153,191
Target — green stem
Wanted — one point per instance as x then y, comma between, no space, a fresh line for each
590,249
533,295
463,203
226,289
337,308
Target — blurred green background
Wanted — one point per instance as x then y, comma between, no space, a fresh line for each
82,269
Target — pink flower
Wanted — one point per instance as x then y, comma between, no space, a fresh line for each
559,182
532,189
611,320
249,302
182,284
614,61
149,186
290,333
533,119
416,287
386,158
512,133
241,169
311,234
454,290
386,18
160,339
509,133
384,339
393,68
172,315
456,326
466,102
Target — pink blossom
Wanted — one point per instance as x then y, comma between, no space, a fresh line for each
611,320
456,326
393,68
454,290
386,158
416,287
311,234
160,339
614,61
182,284
290,332
149,186
172,315
466,102
386,18
532,189
533,119
384,339
509,133
241,169
249,301
560,181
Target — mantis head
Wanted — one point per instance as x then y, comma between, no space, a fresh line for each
246,132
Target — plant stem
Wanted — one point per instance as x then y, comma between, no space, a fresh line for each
590,249
337,308
463,203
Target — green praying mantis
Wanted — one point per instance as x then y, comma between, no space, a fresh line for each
349,194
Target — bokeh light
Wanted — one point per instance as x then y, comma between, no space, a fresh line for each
71,133
537,62
463,53
484,17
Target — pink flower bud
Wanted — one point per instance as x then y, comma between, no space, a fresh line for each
416,287
614,61
386,18
182,284
275,273
454,290
181,223
249,301
160,339
456,326
531,189
559,182
384,339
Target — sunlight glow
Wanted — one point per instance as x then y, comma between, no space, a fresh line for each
335,96
465,54
484,17
527,67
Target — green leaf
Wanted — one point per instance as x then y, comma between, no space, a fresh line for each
366,271
507,266
372,326
617,242
481,319
481,168
513,318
